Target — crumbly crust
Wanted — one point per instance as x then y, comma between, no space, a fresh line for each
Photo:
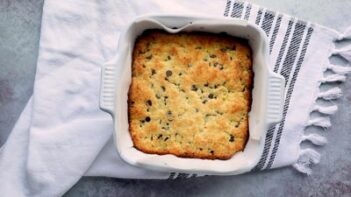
190,94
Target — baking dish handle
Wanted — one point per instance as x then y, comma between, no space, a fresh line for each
275,98
107,90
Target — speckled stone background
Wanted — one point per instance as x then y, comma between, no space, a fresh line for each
19,37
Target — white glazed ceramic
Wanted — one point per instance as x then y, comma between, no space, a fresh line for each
267,94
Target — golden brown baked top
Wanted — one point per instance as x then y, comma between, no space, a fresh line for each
190,94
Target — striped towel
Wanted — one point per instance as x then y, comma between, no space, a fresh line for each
62,134
300,51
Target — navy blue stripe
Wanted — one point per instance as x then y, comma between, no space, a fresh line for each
275,32
247,12
227,7
237,9
270,132
293,49
267,22
282,48
259,15
288,96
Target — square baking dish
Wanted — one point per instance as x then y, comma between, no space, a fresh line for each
267,94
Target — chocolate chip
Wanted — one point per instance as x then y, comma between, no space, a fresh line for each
149,102
169,57
163,88
159,136
206,84
149,57
147,119
231,138
213,56
169,113
220,113
153,72
223,50
168,73
212,152
210,96
166,139
193,88
204,102
200,149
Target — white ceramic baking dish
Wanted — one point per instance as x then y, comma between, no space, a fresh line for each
267,94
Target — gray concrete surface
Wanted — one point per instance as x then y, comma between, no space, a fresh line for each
19,37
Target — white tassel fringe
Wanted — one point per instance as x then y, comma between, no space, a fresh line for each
320,122
345,35
344,52
315,139
307,157
333,78
339,69
328,110
331,94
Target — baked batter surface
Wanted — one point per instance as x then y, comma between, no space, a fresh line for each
190,94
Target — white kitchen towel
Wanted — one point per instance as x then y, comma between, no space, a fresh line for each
62,134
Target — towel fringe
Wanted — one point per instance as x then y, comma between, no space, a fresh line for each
331,94
307,158
334,78
345,35
344,52
327,110
339,69
323,121
315,139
